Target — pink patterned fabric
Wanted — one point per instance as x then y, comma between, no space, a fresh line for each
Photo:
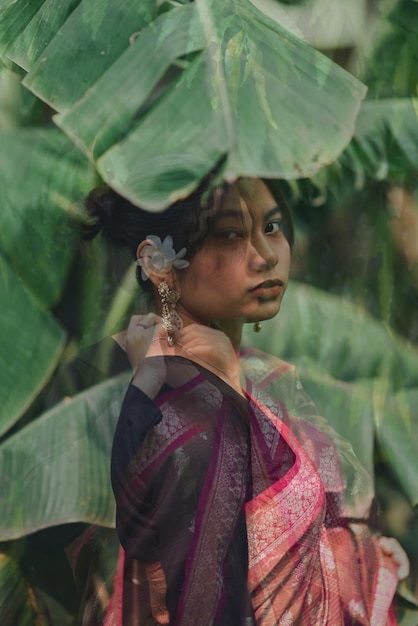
215,475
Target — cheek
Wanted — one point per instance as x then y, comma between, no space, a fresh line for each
286,256
196,277
209,271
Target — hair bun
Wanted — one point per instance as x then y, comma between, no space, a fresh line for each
101,209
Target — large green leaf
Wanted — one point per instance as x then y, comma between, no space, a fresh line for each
389,60
14,17
350,365
364,411
342,339
30,345
347,407
397,432
57,469
14,596
41,175
243,98
127,85
385,142
90,40
384,147
247,93
29,44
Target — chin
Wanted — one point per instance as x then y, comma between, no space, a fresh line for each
264,313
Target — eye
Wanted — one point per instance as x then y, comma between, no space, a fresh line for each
275,226
229,234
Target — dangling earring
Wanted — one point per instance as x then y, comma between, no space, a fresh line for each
257,327
171,319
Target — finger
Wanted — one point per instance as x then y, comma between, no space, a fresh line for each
403,570
389,545
149,320
133,322
138,331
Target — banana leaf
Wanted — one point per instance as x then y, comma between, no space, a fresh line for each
41,176
364,411
31,342
56,470
29,44
342,339
385,141
14,17
206,83
389,60
15,607
347,407
397,433
362,378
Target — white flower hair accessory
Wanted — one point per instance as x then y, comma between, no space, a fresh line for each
159,257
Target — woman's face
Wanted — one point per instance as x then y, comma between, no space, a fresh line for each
242,269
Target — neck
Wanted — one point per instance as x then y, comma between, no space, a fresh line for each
233,330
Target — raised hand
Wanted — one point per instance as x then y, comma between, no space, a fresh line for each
149,373
392,547
141,331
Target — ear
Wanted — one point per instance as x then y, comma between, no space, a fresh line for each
155,276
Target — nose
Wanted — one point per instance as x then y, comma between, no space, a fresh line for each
263,256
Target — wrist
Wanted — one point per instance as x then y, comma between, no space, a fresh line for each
149,376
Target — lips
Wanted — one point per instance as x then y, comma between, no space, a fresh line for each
268,287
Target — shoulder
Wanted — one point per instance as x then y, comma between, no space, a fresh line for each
252,359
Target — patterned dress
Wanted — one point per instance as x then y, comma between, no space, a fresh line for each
240,511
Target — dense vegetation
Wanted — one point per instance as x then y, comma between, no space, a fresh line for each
149,96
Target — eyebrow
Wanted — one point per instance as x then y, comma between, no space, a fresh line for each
273,211
238,213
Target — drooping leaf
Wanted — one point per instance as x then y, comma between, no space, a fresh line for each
90,40
364,411
385,141
347,407
57,469
30,345
41,175
14,17
10,90
325,24
351,366
390,59
342,339
30,43
397,432
127,85
246,93
268,132
14,599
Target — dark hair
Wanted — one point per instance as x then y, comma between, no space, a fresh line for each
125,225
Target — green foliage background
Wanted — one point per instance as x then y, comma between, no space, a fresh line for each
151,105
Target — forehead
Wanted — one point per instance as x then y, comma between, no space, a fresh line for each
248,196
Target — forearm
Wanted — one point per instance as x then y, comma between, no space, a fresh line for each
149,376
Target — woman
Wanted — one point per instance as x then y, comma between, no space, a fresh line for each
236,504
